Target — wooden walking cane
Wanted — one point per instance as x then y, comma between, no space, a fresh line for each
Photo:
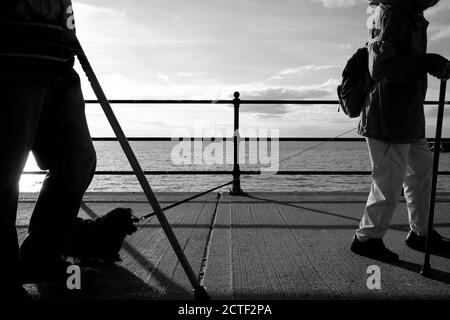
199,290
426,268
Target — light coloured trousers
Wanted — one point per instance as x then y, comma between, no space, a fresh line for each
393,166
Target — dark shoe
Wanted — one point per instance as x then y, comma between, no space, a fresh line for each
437,242
15,293
373,248
54,270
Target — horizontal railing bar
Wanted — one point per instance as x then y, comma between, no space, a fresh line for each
225,138
312,102
155,172
164,172
332,173
283,139
168,172
298,102
309,173
163,101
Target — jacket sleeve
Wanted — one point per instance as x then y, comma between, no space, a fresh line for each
385,64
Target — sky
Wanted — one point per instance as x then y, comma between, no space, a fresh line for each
208,49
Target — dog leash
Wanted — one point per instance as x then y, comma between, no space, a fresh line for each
247,175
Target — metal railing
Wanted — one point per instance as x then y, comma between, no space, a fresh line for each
237,172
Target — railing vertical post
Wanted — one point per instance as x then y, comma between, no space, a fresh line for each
236,189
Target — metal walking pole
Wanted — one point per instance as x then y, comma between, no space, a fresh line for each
426,268
199,290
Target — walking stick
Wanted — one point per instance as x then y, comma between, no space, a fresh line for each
199,290
437,144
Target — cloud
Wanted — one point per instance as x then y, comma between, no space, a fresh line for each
304,68
345,46
163,77
317,91
440,33
185,74
302,74
189,74
266,111
338,3
438,9
108,27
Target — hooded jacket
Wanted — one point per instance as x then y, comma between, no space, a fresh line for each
32,36
398,63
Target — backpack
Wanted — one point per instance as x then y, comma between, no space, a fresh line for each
356,84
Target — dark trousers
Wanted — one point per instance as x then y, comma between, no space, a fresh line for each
44,114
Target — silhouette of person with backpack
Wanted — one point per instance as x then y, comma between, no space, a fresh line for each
42,111
393,123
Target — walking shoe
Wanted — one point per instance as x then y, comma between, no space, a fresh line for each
373,248
54,270
437,242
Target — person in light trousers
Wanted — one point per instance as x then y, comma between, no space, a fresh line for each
393,122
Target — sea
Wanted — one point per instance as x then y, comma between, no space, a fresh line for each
175,155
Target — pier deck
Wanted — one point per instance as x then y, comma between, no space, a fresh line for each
261,246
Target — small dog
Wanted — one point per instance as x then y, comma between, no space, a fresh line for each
100,240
